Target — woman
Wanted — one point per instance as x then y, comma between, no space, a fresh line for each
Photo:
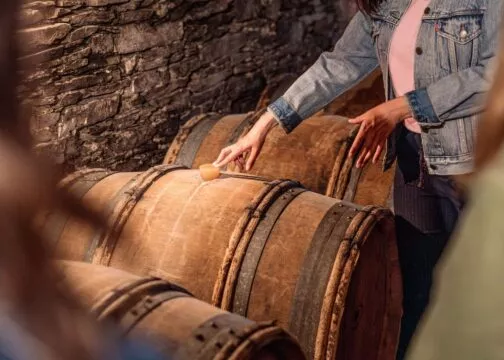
434,56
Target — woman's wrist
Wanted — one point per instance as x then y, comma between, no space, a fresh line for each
401,109
268,120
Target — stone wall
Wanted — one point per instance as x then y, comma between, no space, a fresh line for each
114,79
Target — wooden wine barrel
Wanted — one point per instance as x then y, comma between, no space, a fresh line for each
325,269
180,326
315,153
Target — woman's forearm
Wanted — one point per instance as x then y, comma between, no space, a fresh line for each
353,58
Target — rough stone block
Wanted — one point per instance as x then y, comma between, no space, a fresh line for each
171,31
89,113
104,2
69,98
43,56
44,120
113,60
91,17
137,37
161,9
79,82
82,33
40,36
147,80
69,3
129,63
38,11
135,16
71,67
102,44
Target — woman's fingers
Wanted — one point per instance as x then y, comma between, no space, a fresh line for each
240,162
357,141
230,154
252,157
224,152
371,142
357,120
378,152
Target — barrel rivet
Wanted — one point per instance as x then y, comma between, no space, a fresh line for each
200,337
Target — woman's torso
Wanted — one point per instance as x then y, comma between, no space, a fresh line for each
449,40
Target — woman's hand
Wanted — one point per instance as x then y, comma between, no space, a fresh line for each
250,144
375,127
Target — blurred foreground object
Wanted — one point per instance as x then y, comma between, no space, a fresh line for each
39,317
491,127
466,319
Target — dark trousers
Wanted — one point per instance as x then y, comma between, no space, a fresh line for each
426,211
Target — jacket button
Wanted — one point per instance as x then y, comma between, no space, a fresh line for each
419,50
463,34
427,11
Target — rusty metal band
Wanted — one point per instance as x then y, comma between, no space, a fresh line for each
314,275
355,236
119,308
339,161
240,240
84,184
117,293
181,137
76,176
147,305
227,175
119,209
351,188
234,241
219,337
346,168
79,186
192,144
256,247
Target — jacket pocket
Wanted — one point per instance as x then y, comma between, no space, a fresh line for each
457,39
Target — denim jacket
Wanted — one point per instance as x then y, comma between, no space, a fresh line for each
454,50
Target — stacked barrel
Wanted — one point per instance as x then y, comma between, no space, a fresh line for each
304,240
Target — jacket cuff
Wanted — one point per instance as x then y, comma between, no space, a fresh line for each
422,108
285,114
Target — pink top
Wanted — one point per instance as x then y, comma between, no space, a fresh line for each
402,53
